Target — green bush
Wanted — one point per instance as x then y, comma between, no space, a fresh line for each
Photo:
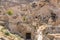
24,18
10,12
6,33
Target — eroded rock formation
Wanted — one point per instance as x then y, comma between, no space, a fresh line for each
28,16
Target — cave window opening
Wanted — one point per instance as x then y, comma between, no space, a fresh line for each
47,0
53,16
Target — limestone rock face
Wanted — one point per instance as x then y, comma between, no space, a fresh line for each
35,18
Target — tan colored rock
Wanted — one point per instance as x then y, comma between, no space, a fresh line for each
33,18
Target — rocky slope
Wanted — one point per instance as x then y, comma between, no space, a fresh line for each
5,34
24,16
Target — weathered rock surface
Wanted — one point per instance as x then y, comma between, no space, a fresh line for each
38,17
6,35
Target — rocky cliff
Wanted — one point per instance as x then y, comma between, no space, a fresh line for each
28,16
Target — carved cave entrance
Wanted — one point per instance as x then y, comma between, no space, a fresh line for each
28,36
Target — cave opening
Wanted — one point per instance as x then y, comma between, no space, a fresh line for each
28,35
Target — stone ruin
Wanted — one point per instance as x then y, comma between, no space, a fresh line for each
32,20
